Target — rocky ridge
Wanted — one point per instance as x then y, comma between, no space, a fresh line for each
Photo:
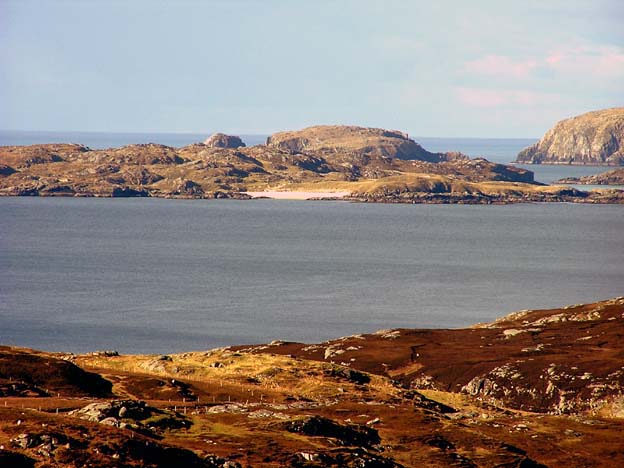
595,138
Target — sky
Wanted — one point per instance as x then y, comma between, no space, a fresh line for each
432,68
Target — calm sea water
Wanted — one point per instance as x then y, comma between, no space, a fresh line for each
501,150
155,275
102,140
505,150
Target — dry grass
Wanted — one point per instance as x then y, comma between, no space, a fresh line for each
252,375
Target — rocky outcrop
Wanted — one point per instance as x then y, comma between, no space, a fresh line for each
131,414
341,139
221,140
593,138
344,434
187,188
614,177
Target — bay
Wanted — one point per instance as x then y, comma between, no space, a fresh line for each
155,275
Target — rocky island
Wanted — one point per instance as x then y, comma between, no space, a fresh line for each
594,138
535,388
353,163
614,177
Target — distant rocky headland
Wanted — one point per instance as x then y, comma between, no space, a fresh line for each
347,162
534,389
594,138
614,177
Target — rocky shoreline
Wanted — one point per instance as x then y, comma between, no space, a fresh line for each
361,164
614,177
535,388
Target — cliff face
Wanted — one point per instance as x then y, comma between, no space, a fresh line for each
593,138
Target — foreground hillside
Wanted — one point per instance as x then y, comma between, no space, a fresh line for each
361,164
595,138
533,389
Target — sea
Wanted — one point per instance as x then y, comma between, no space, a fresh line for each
163,276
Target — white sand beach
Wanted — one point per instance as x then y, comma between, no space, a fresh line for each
296,195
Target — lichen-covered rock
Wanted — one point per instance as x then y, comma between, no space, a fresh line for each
592,138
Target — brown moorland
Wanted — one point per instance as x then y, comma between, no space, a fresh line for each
534,388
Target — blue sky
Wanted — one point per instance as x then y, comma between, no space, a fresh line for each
443,68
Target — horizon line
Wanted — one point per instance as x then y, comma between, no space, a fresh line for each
249,134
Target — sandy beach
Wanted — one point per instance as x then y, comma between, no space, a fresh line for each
296,195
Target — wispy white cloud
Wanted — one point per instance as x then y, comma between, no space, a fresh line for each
487,97
501,65
598,60
602,61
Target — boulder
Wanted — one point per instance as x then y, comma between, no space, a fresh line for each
127,409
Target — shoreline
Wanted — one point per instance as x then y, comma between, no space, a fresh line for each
296,195
452,394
